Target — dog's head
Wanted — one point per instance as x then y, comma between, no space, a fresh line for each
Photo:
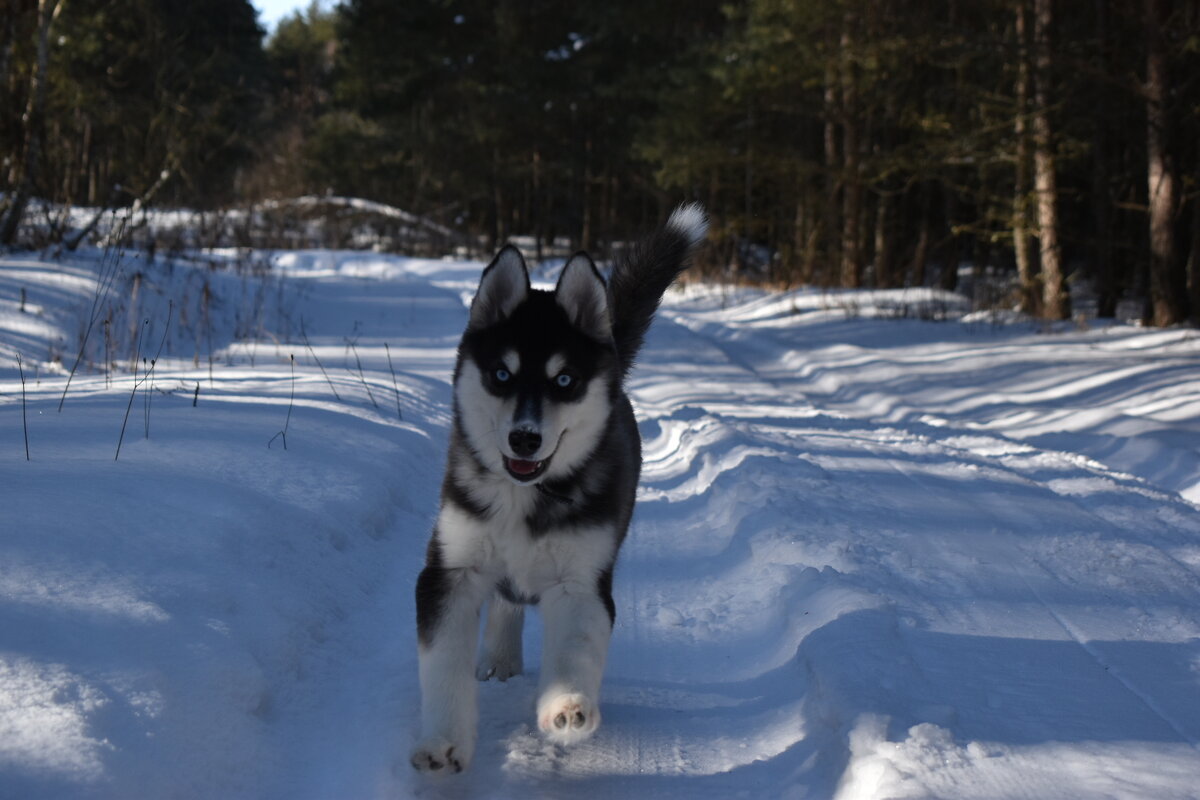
536,375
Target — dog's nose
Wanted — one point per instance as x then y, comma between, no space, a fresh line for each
524,443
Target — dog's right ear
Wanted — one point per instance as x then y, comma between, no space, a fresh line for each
503,286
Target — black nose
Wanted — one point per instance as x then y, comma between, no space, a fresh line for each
524,443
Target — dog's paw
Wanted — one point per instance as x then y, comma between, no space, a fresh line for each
437,756
568,718
499,667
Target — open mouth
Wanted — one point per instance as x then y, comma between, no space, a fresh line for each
524,471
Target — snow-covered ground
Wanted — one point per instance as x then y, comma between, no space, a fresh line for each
874,556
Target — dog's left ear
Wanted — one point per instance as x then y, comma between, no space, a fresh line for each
582,294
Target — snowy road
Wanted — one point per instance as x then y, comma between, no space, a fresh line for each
873,558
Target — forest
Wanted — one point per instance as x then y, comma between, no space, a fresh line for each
1050,145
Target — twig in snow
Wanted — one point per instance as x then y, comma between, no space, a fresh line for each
133,393
148,375
24,420
146,398
313,353
109,269
361,376
287,421
395,386
107,358
154,361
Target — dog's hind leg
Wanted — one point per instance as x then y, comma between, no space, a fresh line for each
500,657
577,631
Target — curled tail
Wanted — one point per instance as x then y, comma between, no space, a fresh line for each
641,276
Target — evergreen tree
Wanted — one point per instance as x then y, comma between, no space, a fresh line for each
835,142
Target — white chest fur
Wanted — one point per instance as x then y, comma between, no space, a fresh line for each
500,546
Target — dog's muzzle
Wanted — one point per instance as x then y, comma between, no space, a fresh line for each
524,443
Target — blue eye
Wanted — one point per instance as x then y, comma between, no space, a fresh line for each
503,375
564,380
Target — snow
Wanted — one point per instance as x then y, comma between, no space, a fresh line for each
882,549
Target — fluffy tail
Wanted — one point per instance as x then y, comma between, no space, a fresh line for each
643,274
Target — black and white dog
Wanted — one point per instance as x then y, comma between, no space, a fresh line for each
539,488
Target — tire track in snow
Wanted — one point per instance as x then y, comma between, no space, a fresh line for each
1117,674
1182,582
995,453
1006,549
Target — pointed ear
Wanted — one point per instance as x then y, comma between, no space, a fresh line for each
502,287
582,294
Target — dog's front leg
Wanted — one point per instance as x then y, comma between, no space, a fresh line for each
577,632
448,602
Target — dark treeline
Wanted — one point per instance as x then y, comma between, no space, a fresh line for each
838,143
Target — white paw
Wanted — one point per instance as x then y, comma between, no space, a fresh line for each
499,667
568,718
438,756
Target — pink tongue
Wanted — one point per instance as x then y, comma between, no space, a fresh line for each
522,467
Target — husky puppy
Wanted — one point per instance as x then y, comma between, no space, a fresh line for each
539,488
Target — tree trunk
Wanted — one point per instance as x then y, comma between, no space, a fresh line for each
1030,292
793,265
807,233
1193,261
832,223
920,256
951,248
748,175
8,24
1168,295
1056,302
884,257
1108,291
34,110
851,270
